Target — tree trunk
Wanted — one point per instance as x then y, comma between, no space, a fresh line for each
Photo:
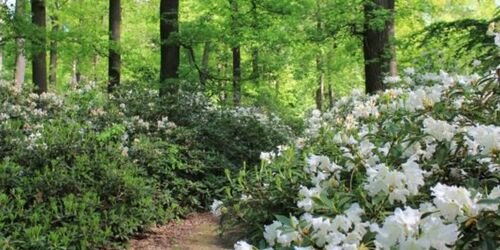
170,55
2,7
53,52
236,76
114,65
78,73
376,45
1,62
320,92
74,81
330,94
221,70
236,56
204,63
95,62
190,55
276,86
20,58
39,63
393,68
255,49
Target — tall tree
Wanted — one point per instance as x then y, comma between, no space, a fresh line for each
39,63
320,92
54,22
170,49
114,65
20,71
255,48
204,63
393,68
376,42
2,21
236,54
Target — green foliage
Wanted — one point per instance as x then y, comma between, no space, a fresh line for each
255,195
85,171
307,201
69,191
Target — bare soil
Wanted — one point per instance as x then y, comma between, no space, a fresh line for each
196,232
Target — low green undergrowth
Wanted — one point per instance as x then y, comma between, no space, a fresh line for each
85,170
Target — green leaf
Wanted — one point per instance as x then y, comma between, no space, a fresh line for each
283,219
490,201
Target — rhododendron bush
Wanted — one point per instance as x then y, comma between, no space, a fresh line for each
414,167
88,171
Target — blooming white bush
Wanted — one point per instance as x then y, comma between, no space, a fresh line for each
414,167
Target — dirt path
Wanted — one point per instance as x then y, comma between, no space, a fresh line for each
197,232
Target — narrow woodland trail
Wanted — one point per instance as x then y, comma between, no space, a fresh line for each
197,232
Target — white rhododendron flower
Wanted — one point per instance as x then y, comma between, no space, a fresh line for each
316,162
488,137
453,201
408,230
343,230
414,176
399,185
242,245
308,194
267,157
392,79
272,231
216,207
440,130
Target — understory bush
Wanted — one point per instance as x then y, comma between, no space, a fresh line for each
84,170
414,167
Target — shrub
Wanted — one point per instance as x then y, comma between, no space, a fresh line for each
413,167
87,171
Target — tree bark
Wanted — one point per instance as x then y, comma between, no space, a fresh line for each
393,68
330,94
114,65
20,71
236,76
204,63
191,55
376,45
320,92
39,63
255,49
74,74
170,49
2,6
95,62
53,52
1,62
236,55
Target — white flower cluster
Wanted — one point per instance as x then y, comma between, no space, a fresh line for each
216,207
440,130
398,184
314,123
408,230
402,154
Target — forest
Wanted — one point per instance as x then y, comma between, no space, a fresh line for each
250,124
